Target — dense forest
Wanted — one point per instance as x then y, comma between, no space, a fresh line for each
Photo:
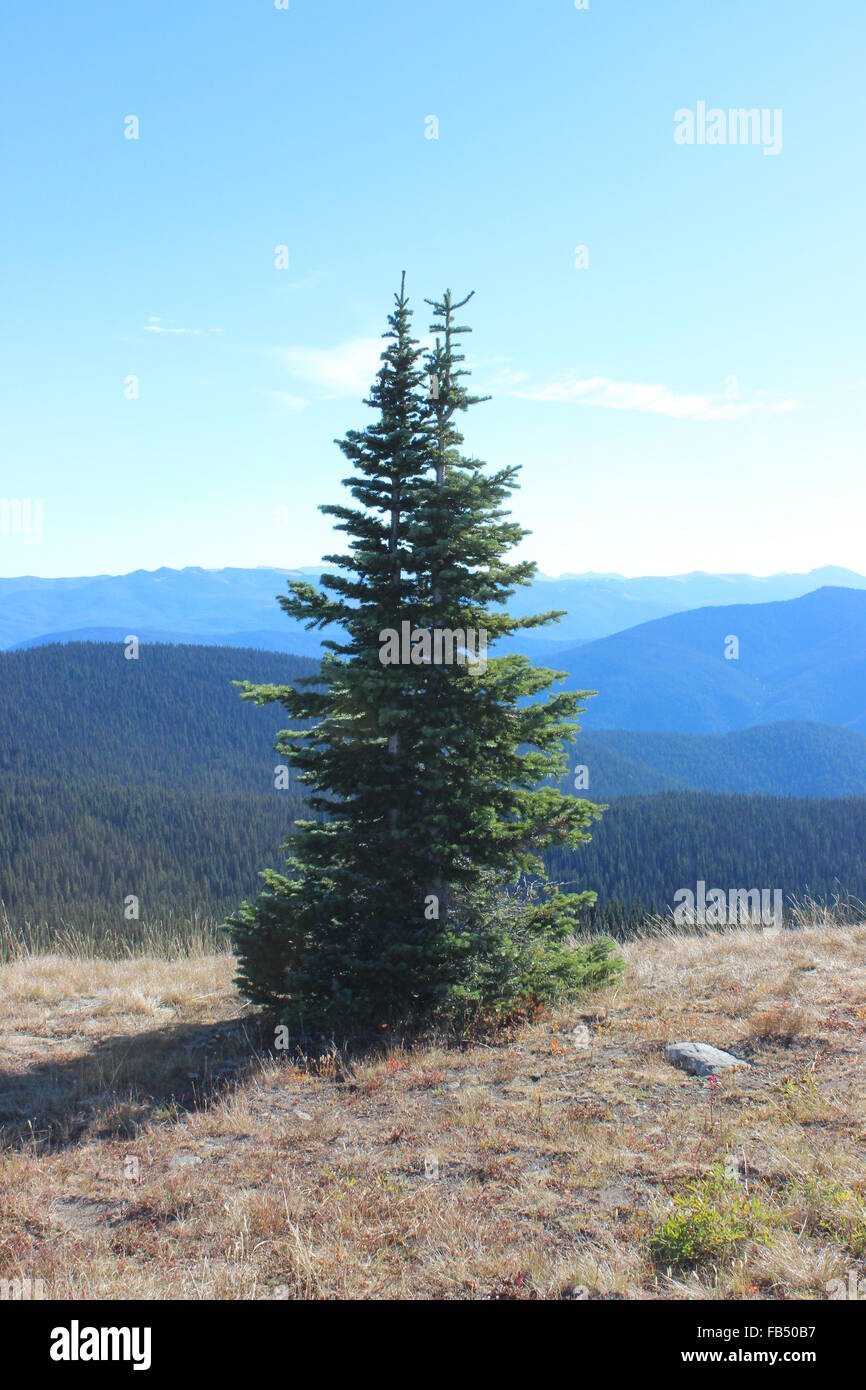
75,853
646,847
153,778
82,712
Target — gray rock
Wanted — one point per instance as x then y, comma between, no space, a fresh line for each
701,1059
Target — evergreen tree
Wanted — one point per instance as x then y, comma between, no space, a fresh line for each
326,935
432,781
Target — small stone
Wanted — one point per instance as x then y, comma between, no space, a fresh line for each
302,1115
700,1059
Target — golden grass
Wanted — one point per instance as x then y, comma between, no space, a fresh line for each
153,1150
166,940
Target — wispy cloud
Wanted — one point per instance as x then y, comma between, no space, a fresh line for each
286,401
496,375
652,398
347,369
156,325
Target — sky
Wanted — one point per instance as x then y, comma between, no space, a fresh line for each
207,207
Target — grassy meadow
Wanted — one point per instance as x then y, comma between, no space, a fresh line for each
156,1143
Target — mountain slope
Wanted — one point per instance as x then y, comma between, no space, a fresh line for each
74,852
153,778
83,713
173,719
784,759
804,659
292,642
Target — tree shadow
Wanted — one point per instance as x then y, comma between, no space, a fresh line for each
125,1081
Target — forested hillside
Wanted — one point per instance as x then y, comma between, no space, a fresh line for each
75,853
793,758
153,778
172,718
647,847
81,712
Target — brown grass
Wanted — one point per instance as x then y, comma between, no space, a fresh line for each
153,1150
102,940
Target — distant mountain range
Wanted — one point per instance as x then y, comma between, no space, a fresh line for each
238,607
798,659
804,659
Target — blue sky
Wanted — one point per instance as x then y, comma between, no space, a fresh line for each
692,399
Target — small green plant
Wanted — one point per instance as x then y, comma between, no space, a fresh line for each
825,1206
803,1098
709,1220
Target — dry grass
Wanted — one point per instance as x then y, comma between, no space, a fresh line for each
152,1150
101,940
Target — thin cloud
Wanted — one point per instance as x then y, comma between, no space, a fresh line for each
347,369
155,325
496,375
286,401
652,398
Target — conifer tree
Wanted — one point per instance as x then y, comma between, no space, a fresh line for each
492,753
433,782
326,936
